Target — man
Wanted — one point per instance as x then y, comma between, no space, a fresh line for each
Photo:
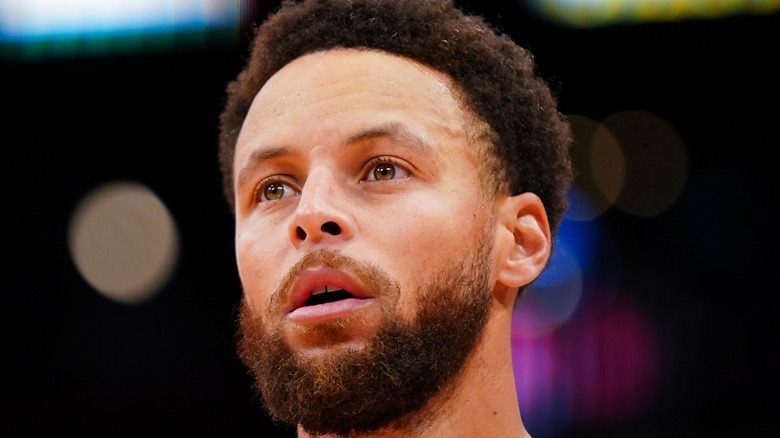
397,172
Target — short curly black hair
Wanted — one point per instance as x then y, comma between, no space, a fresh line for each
496,80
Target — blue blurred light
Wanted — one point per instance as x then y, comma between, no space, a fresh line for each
42,19
39,28
582,239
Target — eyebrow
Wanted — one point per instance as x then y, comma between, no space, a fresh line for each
395,131
257,158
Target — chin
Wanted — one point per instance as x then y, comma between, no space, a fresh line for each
347,333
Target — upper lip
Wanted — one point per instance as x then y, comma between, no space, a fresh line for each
316,278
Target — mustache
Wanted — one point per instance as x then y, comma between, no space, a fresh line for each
368,275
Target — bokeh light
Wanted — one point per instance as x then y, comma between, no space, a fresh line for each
123,242
584,352
655,158
633,160
600,368
599,169
616,354
35,29
554,296
595,13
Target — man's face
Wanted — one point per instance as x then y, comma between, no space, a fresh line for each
355,176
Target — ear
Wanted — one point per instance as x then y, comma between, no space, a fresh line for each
523,240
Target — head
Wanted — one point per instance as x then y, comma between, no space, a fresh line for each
386,208
494,77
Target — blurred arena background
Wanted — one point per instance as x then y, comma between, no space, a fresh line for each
657,317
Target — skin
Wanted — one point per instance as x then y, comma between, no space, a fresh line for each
328,128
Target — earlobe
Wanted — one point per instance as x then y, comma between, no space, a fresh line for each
524,240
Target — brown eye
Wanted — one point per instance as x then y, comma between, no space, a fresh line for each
273,191
384,169
384,172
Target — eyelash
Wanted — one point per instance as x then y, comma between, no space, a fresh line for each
372,164
257,196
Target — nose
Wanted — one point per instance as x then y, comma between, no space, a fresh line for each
322,211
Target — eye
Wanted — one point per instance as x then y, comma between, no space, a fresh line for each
273,191
384,172
384,169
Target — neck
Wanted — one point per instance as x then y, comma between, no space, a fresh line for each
482,402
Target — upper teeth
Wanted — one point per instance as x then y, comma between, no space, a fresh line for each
323,289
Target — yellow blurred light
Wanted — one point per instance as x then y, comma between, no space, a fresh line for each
124,242
656,162
599,168
595,13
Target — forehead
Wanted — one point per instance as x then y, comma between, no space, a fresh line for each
330,73
325,83
329,96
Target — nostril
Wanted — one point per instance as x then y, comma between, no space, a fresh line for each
331,228
301,233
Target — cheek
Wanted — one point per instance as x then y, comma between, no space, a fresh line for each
442,224
435,232
259,260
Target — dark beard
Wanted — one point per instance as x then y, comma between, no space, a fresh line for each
404,365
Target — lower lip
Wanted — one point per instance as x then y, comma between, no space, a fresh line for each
325,311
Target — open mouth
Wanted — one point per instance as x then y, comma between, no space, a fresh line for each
326,299
327,294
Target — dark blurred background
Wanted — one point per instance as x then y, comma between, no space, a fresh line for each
662,321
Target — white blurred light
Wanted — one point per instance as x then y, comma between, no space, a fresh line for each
35,19
124,242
